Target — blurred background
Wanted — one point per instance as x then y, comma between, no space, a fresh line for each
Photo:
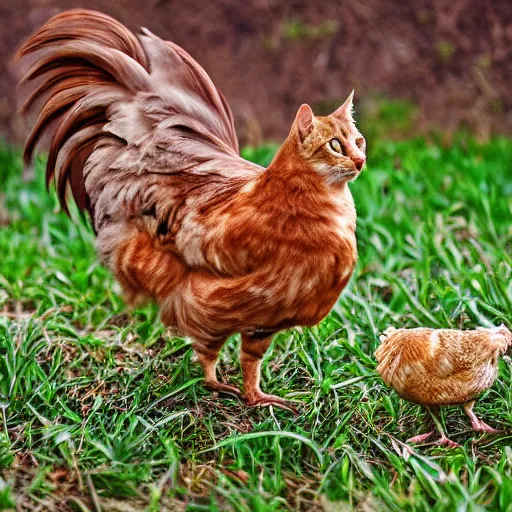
415,65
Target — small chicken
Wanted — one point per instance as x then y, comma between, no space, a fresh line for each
434,367
147,146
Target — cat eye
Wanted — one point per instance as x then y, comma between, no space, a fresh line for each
335,145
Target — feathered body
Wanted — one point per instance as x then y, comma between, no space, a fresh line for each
147,145
441,366
434,367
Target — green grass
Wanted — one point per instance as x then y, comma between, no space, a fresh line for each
100,408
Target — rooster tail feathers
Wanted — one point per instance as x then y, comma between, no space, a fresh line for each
91,73
86,61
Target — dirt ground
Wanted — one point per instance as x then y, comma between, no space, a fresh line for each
453,58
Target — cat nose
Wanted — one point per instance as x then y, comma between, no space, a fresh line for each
359,161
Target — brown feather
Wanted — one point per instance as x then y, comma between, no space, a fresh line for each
61,79
74,145
89,109
84,24
116,66
54,107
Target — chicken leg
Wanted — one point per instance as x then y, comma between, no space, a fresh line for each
476,423
208,360
251,355
442,441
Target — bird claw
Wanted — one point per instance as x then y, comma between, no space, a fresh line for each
420,438
481,426
264,400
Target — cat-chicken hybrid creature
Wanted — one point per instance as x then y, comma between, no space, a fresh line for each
434,367
147,145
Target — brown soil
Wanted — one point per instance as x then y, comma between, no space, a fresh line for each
451,57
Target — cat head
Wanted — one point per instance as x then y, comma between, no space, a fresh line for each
331,145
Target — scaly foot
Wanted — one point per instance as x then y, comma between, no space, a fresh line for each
215,385
442,441
477,423
263,400
481,426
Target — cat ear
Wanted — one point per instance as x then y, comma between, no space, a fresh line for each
345,111
304,119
